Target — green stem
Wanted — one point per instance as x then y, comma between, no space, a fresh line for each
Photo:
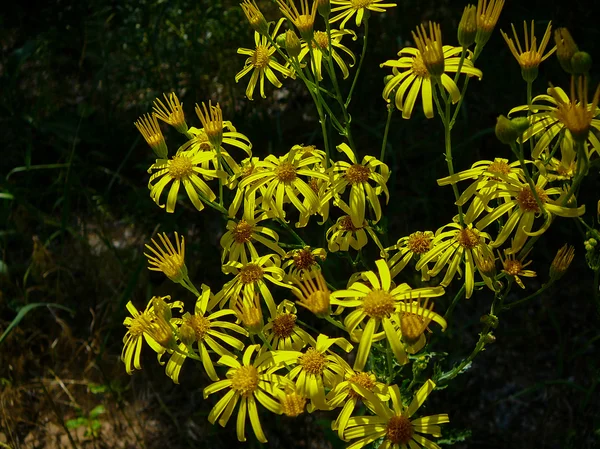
212,204
335,323
582,168
454,302
360,63
533,295
288,228
449,375
390,364
390,108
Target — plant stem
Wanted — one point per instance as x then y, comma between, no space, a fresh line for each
360,63
390,108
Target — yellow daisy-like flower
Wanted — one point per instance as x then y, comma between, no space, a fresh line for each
304,19
348,8
249,313
454,245
251,278
413,320
547,125
206,331
563,169
320,45
488,13
521,205
407,249
530,58
242,196
182,169
248,383
302,260
515,267
170,260
348,393
139,328
375,305
359,178
312,292
395,425
238,242
343,235
281,178
171,113
282,331
411,77
150,130
316,368
262,63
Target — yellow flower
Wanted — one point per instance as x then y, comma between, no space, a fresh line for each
515,267
395,425
248,383
182,169
261,62
546,123
409,248
249,313
320,45
349,392
343,235
239,240
411,77
413,320
312,292
375,305
170,260
316,368
454,245
139,328
150,130
488,13
282,331
212,123
348,8
359,178
563,169
281,178
302,260
532,56
207,331
520,203
171,113
255,16
247,167
562,261
251,278
304,19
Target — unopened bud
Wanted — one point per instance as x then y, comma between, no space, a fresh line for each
467,28
324,8
561,262
565,48
489,320
506,131
187,334
489,339
161,308
581,63
292,43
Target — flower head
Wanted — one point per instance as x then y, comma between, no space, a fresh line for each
304,19
255,17
565,48
312,292
514,267
430,48
343,235
283,332
562,261
488,13
148,126
346,9
320,45
212,122
171,113
467,28
170,260
409,248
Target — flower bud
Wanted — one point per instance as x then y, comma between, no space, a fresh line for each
255,17
324,8
467,28
489,320
280,40
489,338
161,308
565,48
187,334
506,131
561,262
581,63
292,43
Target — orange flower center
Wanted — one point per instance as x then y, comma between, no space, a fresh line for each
412,326
527,201
180,167
418,67
139,324
362,379
283,325
513,266
399,430
201,326
321,40
286,172
251,273
242,232
357,174
358,4
378,304
245,380
419,242
303,259
346,224
260,58
499,167
293,404
467,238
313,362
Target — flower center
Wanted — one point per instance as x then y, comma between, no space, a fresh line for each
283,325
321,39
467,238
358,4
357,174
171,265
346,224
418,67
245,380
527,201
180,167
419,242
292,404
260,57
139,324
513,266
202,141
251,273
378,304
412,326
242,232
155,140
313,362
304,23
318,302
530,59
399,430
201,326
362,379
286,172
499,168
303,259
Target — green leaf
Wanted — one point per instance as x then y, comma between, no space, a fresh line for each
24,311
97,411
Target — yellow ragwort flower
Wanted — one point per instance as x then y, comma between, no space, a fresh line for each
171,113
412,320
515,267
261,63
283,332
302,260
343,235
562,261
170,260
212,123
255,17
148,126
488,13
346,9
320,46
532,55
409,248
304,19
395,425
312,292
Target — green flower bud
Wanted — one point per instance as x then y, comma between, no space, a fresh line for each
581,63
292,43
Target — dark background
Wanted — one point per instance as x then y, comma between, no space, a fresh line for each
75,75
